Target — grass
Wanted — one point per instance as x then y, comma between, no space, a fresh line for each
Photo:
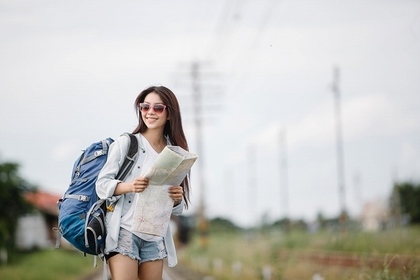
249,255
287,256
49,265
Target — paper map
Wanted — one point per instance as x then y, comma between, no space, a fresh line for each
154,206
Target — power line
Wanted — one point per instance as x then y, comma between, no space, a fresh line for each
231,10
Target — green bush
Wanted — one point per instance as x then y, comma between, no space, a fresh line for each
49,265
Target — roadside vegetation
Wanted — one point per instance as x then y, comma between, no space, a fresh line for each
255,254
49,265
335,248
326,254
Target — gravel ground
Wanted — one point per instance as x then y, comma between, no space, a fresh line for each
178,272
181,272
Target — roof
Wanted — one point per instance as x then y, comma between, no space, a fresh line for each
44,202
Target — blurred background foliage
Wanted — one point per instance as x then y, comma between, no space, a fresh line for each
277,248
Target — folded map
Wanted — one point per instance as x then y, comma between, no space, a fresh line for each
154,206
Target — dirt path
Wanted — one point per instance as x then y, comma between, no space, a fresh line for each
169,273
181,272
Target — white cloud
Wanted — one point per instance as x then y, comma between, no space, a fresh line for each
377,115
64,77
409,162
361,116
67,150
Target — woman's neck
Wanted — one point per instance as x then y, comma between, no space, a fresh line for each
156,139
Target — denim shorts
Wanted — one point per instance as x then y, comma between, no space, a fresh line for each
138,249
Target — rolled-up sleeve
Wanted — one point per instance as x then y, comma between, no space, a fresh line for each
177,210
106,182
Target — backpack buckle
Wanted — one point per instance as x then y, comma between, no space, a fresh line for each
84,198
98,153
110,207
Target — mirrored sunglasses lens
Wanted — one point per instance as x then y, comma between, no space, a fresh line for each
144,107
158,108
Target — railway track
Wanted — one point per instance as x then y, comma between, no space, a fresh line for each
174,273
344,259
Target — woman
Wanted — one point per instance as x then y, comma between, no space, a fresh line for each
135,255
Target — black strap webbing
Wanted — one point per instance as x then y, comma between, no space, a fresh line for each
130,157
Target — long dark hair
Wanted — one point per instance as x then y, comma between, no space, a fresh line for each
173,127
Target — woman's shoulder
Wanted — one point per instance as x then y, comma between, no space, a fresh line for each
123,141
125,137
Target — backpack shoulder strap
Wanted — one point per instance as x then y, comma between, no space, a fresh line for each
130,158
134,145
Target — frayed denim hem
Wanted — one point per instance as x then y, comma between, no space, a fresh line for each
161,255
138,249
130,255
152,260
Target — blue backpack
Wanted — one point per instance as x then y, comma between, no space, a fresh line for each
81,218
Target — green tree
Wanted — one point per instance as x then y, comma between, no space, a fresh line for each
407,199
12,203
219,224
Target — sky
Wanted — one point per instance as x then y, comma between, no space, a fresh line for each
70,72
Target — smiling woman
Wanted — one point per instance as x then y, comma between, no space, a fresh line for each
154,117
131,253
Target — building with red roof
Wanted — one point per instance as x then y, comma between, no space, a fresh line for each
35,230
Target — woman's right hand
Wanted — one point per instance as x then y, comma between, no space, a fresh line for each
140,184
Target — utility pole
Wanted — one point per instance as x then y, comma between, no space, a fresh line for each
339,145
252,184
284,180
197,105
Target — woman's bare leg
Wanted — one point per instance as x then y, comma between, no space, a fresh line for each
123,267
151,270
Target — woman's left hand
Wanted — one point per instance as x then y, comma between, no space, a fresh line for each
176,192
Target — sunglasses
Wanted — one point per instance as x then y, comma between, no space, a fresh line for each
157,108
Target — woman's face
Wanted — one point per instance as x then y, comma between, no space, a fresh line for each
151,111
